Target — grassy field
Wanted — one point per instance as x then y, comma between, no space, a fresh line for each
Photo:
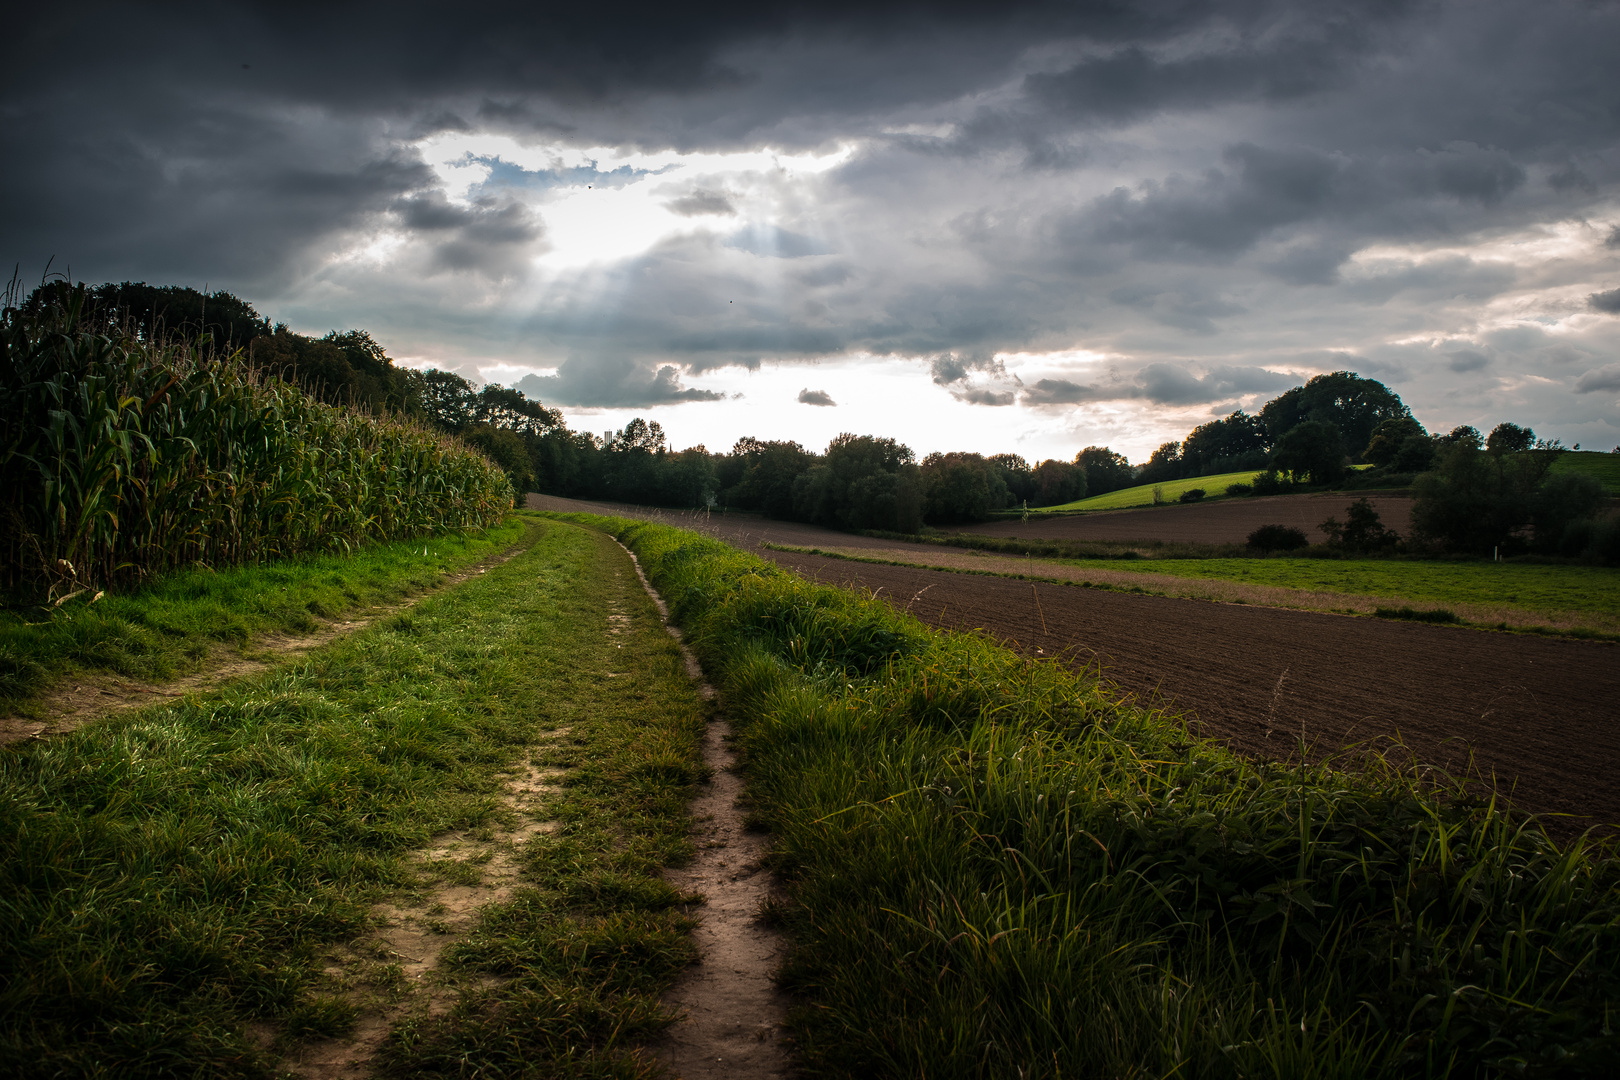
1605,467
170,626
1142,494
995,869
174,882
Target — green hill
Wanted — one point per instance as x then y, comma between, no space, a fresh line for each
1605,467
1142,494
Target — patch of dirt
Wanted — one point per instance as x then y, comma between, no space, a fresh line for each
732,1011
1227,521
92,696
1538,718
1229,592
395,970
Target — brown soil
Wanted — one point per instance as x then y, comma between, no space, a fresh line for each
1539,715
1230,592
94,695
1227,521
731,1010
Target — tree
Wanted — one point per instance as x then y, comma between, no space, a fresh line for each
1163,464
160,310
768,472
1105,470
1312,452
1058,482
1344,400
1508,438
508,408
961,487
1017,475
1234,442
506,449
1363,530
1483,500
1388,437
447,400
864,482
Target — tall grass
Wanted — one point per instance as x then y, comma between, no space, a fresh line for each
122,458
996,869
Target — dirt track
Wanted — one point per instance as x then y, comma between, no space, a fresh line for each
1541,714
1229,521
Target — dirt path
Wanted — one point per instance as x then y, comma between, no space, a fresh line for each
732,1011
394,971
1541,715
93,695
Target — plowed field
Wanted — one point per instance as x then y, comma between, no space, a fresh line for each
1228,521
1540,715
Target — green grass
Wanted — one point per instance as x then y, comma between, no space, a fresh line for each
1541,588
170,877
1604,467
158,631
993,868
1142,494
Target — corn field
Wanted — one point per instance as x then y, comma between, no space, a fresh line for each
121,458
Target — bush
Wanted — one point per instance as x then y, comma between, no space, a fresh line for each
1362,532
1239,490
1271,482
1269,538
1192,495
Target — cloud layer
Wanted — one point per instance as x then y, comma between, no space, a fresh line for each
1156,207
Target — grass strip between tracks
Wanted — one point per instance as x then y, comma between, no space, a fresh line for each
995,869
170,880
174,623
1554,600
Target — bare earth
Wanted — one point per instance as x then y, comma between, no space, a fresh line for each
1538,714
1229,521
731,1009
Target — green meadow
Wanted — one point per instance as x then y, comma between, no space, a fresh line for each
176,883
1142,494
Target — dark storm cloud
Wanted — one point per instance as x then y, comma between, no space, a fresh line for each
1466,360
488,236
815,397
1604,378
608,382
949,368
700,202
1163,384
1212,186
986,396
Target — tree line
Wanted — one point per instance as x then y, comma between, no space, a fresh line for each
1474,493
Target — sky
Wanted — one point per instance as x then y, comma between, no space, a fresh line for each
1011,227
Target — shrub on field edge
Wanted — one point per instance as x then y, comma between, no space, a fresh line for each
1363,532
1191,495
1269,538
